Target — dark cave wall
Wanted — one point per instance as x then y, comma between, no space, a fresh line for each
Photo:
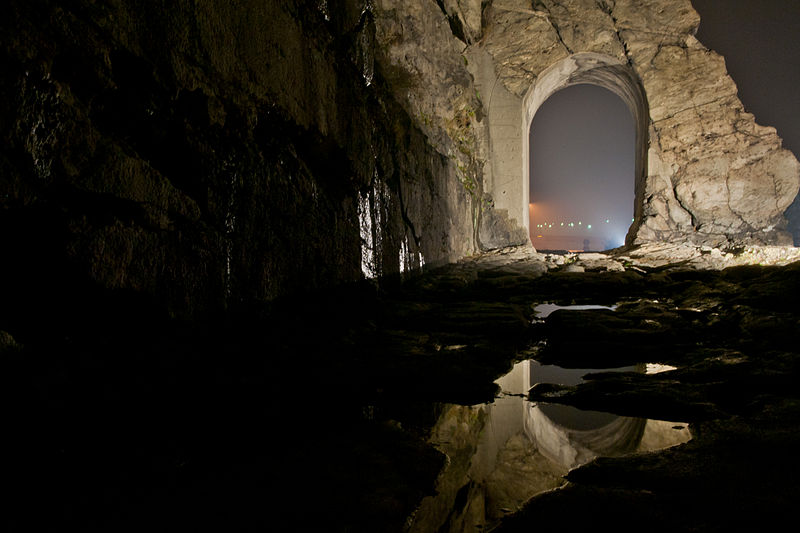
200,155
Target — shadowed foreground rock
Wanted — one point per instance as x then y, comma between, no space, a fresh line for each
316,414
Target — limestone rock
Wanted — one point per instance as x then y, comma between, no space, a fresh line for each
598,262
679,255
522,45
425,65
708,173
497,231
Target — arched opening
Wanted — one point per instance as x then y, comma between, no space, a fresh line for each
617,77
582,146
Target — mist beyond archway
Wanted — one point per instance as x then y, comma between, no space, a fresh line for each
582,157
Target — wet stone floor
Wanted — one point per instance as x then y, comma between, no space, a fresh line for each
509,392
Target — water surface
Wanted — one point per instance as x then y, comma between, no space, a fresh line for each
499,455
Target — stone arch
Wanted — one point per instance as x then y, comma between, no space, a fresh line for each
609,73
706,172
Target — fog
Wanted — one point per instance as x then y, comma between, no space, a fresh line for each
582,143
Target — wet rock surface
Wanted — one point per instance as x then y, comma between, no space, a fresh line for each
317,413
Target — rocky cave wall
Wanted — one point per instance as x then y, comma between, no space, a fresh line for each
430,48
207,155
203,155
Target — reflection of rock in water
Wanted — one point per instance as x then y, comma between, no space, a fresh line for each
571,437
660,434
501,455
521,472
492,468
457,434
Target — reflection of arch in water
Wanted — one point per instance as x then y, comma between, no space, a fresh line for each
502,454
571,437
538,373
564,434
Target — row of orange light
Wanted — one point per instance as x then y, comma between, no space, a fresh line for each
569,224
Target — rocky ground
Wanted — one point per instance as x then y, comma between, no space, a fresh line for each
315,414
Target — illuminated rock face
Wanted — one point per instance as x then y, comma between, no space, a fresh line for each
706,171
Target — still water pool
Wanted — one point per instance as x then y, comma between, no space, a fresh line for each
499,455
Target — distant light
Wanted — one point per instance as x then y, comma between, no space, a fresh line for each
632,219
589,226
538,236
579,223
606,221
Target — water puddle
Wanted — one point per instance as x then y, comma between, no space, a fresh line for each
500,455
544,310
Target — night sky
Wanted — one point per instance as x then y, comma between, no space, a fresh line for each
582,159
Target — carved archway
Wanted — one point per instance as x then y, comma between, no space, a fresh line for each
606,72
